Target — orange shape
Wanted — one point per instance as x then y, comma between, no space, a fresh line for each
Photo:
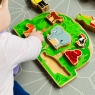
30,28
53,18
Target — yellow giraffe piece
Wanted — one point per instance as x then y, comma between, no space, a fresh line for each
35,2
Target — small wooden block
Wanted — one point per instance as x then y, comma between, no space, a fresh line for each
73,55
40,5
30,28
44,9
54,18
82,40
34,3
88,22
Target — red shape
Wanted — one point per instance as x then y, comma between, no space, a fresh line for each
78,52
93,25
73,55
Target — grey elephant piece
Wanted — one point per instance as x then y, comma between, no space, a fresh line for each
59,37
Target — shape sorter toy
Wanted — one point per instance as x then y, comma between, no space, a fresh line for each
67,46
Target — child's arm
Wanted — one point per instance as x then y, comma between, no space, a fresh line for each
18,50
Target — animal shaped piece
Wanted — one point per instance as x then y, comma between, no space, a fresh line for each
73,55
82,40
40,5
30,28
88,22
54,18
59,37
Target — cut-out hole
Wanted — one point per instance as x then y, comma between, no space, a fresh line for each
54,65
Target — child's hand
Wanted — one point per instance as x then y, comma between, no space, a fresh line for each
37,34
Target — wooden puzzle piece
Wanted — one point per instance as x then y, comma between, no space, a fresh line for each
54,18
59,37
82,40
73,55
92,22
40,5
88,22
30,28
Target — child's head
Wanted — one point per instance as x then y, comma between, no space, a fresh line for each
4,15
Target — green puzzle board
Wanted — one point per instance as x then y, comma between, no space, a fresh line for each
70,26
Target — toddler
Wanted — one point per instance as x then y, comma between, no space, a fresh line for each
13,51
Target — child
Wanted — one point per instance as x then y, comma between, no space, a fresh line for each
13,51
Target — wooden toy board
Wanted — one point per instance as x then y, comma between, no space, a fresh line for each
54,60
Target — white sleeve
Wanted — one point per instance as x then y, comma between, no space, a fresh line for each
18,49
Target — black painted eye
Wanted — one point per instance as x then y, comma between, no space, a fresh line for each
61,40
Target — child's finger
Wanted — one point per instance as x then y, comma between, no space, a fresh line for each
34,29
39,32
42,38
